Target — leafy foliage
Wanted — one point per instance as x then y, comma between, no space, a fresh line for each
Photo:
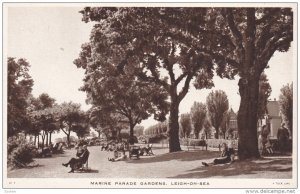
71,118
106,122
207,127
286,104
217,105
186,125
264,94
19,152
198,115
153,42
19,87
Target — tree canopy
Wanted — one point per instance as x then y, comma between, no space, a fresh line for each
263,96
157,44
186,125
255,34
286,104
217,105
172,46
19,87
198,115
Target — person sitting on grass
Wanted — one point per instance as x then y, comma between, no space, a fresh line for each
77,162
224,158
117,157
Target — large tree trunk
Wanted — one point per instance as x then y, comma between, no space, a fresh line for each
197,134
247,118
34,140
43,141
50,138
38,141
119,134
174,144
131,127
217,133
47,139
249,90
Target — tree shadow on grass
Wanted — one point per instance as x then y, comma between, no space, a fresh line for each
241,168
88,171
182,156
29,166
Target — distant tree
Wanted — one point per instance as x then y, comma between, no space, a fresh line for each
217,105
207,128
46,121
225,123
19,87
198,115
43,117
70,117
186,125
46,101
286,104
82,128
263,96
106,122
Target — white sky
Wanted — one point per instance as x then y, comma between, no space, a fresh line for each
50,39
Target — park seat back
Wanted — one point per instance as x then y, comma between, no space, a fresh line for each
86,158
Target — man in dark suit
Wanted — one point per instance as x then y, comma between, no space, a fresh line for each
283,138
76,163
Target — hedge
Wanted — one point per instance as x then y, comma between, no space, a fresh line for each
214,143
192,142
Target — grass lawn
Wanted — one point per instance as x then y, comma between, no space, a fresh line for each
185,164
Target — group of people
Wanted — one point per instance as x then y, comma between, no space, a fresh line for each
227,151
264,143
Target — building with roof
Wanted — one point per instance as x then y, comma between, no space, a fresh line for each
272,118
232,125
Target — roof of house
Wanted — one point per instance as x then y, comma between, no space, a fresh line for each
233,115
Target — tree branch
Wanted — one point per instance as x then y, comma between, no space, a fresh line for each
178,80
186,87
270,49
234,30
64,131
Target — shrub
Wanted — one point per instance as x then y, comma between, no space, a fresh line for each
20,153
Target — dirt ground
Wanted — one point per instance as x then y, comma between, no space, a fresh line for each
185,164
